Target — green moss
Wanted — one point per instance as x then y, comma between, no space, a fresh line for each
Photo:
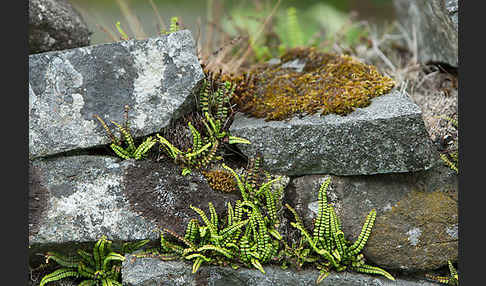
329,83
220,180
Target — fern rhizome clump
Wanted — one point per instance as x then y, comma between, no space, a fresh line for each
328,83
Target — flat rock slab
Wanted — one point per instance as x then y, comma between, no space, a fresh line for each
435,25
156,78
155,272
416,227
388,136
80,198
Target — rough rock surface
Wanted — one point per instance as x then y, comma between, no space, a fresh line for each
155,78
155,272
387,136
417,214
55,25
86,197
436,26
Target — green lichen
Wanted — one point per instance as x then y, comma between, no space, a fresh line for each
329,83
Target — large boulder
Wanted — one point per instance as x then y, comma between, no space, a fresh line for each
156,78
416,227
388,136
435,23
55,25
154,272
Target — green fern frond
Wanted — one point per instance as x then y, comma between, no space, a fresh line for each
62,260
192,230
112,256
239,183
86,271
322,275
197,264
449,163
174,25
374,270
87,257
212,228
124,35
217,249
365,233
143,148
58,275
129,247
293,28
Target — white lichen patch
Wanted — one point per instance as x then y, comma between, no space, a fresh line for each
150,66
95,208
453,231
414,235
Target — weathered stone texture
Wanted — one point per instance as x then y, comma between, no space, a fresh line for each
55,25
156,78
386,137
435,23
417,214
155,272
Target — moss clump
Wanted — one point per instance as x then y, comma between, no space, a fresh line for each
328,83
220,180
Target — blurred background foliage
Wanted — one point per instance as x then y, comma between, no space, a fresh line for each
319,20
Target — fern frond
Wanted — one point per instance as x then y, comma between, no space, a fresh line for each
197,264
112,256
129,247
62,260
112,137
374,270
365,233
213,215
212,228
87,257
293,28
235,140
120,151
187,242
143,148
58,275
192,230
322,275
240,185
124,35
217,249
322,214
86,271
127,136
174,25
257,265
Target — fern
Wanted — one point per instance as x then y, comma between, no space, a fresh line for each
452,279
329,243
124,35
130,151
100,266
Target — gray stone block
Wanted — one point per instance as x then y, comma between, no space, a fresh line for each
435,23
417,214
388,136
80,198
55,25
155,272
155,77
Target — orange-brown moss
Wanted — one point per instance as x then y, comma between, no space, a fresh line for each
329,83
220,180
